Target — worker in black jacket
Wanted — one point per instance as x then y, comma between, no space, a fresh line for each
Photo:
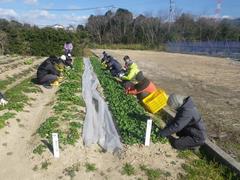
49,71
104,58
113,65
67,60
187,124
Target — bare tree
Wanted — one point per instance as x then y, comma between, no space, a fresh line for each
3,41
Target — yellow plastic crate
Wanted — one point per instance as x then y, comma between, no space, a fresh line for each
155,101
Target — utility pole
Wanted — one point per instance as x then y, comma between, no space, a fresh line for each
171,14
218,9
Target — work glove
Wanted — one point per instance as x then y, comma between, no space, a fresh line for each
3,102
55,83
120,75
60,79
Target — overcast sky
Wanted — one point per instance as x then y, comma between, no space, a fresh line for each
31,11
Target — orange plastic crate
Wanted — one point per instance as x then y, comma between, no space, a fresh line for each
155,101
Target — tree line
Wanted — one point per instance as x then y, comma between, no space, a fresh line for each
120,27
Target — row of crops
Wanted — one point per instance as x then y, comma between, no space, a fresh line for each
129,115
67,117
16,93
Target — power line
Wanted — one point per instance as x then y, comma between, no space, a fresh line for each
79,9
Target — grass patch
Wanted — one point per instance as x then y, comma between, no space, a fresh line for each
5,117
16,96
128,46
128,169
71,171
90,167
199,167
39,149
152,174
28,61
45,165
35,168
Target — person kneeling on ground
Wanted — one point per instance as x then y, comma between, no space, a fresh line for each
67,60
113,65
187,124
143,88
2,100
49,72
104,58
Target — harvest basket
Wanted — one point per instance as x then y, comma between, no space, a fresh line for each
155,101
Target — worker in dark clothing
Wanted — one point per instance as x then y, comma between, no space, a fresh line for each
3,101
67,60
50,70
143,88
188,124
113,65
104,58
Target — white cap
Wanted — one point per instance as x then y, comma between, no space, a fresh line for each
63,57
69,55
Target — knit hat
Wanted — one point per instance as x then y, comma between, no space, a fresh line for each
175,101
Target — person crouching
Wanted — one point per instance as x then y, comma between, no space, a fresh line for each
187,124
49,71
143,88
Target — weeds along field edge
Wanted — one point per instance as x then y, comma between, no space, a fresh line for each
131,119
68,115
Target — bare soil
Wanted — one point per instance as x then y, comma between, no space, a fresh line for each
214,83
18,140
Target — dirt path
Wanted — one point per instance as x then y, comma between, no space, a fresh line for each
16,138
213,82
4,60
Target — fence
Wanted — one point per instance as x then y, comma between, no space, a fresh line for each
229,49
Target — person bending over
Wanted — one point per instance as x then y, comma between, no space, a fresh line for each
67,60
113,65
49,71
104,58
131,69
143,88
187,124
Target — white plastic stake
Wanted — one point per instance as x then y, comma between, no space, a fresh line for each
148,132
55,145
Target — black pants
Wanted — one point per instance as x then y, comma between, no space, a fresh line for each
47,79
114,72
1,96
127,84
188,138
